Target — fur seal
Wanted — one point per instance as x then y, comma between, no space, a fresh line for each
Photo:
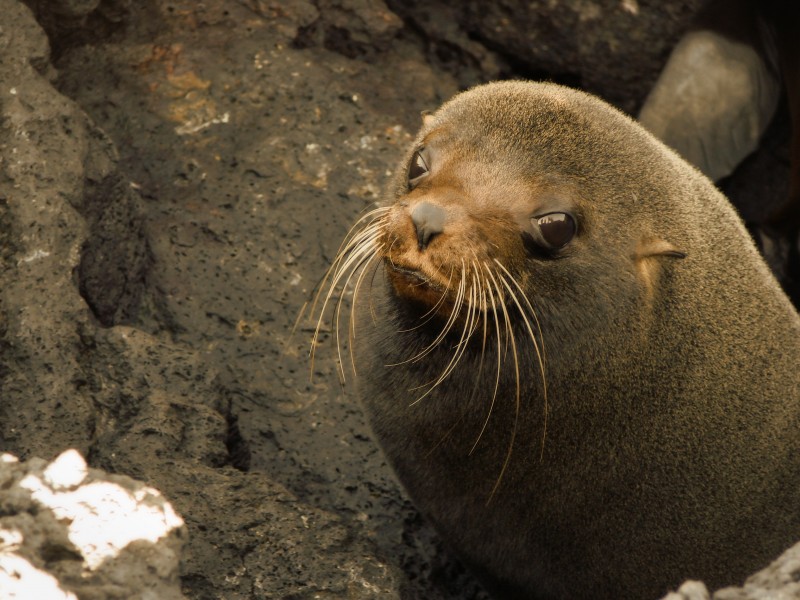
572,354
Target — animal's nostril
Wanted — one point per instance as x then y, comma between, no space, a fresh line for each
428,220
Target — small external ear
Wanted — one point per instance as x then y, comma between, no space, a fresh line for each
648,252
655,247
427,117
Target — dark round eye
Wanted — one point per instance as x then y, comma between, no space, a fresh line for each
418,168
555,230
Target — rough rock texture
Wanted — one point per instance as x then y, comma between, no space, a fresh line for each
613,48
71,532
158,398
132,402
779,581
148,293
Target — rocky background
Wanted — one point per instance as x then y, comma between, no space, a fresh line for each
175,177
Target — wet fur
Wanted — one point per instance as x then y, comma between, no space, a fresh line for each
662,443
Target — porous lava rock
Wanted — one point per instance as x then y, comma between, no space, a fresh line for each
175,178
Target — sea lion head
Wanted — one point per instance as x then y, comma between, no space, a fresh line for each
523,215
509,196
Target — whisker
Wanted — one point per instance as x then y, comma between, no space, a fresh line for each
451,320
377,255
466,332
389,252
510,336
373,314
366,246
358,245
296,324
432,312
531,311
459,348
533,340
470,324
499,367
353,252
352,327
480,316
354,265
374,218
441,335
480,309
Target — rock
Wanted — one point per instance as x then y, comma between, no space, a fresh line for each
779,581
354,28
165,213
133,403
73,22
42,153
690,590
611,48
68,8
67,531
251,170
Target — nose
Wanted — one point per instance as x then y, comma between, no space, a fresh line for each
428,220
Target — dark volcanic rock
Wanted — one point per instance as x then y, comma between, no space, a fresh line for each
134,403
41,310
613,48
149,286
231,164
115,256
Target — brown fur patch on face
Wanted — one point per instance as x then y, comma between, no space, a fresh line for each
484,198
468,244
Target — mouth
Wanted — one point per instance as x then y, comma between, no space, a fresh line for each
414,276
416,285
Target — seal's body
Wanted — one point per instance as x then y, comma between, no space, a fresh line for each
573,356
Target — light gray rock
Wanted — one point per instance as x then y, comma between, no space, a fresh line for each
70,532
712,102
779,581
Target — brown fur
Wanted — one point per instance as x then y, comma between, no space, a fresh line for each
663,443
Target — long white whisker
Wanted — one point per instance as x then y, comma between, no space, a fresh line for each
459,301
535,346
351,269
466,333
352,254
441,335
365,248
351,240
363,242
531,311
478,309
428,316
363,268
510,335
499,366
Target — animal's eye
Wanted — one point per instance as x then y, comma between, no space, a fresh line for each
418,168
555,230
